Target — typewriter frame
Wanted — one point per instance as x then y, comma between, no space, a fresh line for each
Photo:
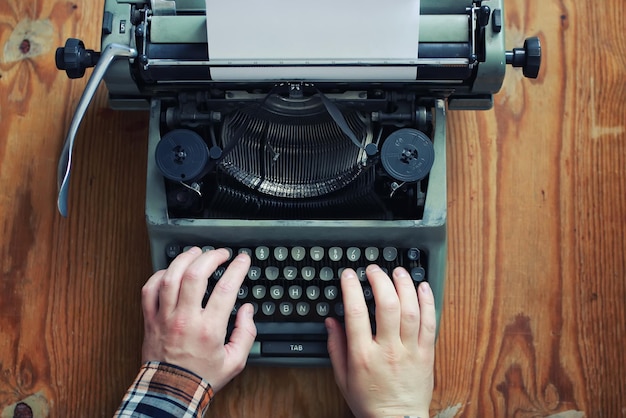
428,233
462,77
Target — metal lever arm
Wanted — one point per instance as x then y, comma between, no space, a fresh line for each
110,53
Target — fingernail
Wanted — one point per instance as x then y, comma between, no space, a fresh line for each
349,274
250,311
194,250
242,257
401,272
373,268
425,288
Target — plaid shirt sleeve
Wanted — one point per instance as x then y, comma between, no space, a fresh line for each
166,391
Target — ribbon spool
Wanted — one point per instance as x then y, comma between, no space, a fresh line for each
182,155
407,155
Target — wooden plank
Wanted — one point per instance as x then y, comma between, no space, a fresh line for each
535,298
534,322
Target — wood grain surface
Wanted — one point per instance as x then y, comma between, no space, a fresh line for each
533,325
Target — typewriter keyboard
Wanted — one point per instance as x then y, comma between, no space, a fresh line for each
294,288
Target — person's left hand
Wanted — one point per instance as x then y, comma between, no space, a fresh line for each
180,332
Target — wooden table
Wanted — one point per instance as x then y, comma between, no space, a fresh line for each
534,320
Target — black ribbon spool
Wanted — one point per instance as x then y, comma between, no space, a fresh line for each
407,155
182,156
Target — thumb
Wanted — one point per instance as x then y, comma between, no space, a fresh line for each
242,338
337,350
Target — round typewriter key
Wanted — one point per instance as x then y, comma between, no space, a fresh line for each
295,292
254,273
290,272
258,291
277,292
312,292
331,292
286,308
182,155
418,274
413,254
390,253
353,253
371,253
407,155
308,273
326,274
271,272
261,253
317,253
335,253
322,309
172,250
268,308
298,253
302,308
280,253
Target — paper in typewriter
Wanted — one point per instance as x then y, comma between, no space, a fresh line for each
313,40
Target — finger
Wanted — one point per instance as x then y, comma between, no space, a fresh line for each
338,352
224,295
428,318
387,305
150,295
194,280
409,308
170,285
241,340
357,321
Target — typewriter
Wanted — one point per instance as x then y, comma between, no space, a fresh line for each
312,137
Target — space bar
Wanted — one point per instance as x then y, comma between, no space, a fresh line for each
296,349
269,329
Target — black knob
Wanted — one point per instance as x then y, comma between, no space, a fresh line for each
74,59
483,16
528,57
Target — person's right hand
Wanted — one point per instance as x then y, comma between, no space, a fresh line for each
389,374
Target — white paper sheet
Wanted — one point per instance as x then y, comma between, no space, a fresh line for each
298,36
